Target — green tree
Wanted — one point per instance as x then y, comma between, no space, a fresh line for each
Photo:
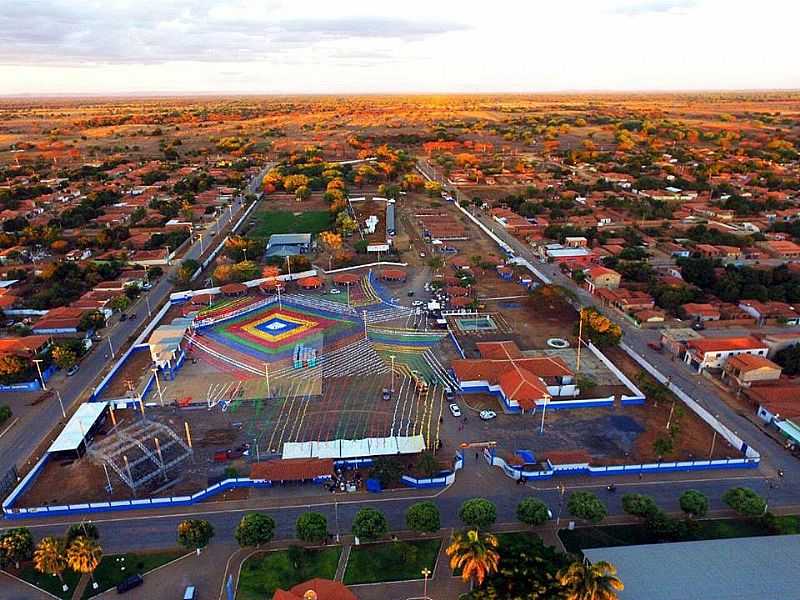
745,502
423,517
312,527
16,545
427,464
120,303
186,270
87,530
5,413
255,529
587,506
195,533
598,581
369,524
64,357
478,513
387,470
694,503
639,505
303,192
532,511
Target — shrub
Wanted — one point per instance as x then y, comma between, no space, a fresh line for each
478,513
532,511
255,529
195,533
423,517
369,524
745,501
694,503
587,506
312,527
639,505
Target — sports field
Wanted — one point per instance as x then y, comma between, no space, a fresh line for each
284,221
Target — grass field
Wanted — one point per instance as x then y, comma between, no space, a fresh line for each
49,583
114,568
269,222
263,573
390,561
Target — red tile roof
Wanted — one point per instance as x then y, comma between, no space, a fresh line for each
324,589
725,344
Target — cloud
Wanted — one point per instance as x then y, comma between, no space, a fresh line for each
654,7
60,32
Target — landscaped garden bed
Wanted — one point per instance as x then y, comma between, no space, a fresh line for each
265,572
390,561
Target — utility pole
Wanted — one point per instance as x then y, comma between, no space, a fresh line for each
266,376
38,362
158,386
110,346
61,404
425,573
544,410
392,357
580,338
147,301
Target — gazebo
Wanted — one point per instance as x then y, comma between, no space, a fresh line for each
310,283
271,285
347,279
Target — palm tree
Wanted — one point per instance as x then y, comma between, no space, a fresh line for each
83,555
475,554
50,558
584,581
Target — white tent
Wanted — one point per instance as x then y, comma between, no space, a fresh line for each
297,450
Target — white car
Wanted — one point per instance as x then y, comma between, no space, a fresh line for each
417,303
488,415
455,410
336,291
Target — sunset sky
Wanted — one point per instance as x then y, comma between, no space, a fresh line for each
309,46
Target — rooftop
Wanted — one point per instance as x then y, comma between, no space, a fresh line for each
755,568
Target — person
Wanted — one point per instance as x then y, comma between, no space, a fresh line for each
477,454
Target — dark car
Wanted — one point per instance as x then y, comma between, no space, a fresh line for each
133,316
129,583
123,317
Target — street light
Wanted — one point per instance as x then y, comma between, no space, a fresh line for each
38,362
425,573
110,346
392,358
61,404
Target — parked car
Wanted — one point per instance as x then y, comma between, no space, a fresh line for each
336,291
129,583
410,293
133,316
190,593
455,410
387,394
123,317
488,415
417,303
72,370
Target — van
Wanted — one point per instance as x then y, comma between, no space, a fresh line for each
129,583
190,593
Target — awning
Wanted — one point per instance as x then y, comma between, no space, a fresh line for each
72,436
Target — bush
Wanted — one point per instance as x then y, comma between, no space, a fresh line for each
194,533
5,413
369,524
745,501
255,529
532,511
478,513
587,506
423,517
694,503
387,470
87,530
312,527
639,505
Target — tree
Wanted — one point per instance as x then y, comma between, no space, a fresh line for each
436,263
312,527
186,270
16,545
292,182
745,502
332,241
195,533
12,366
427,464
387,470
120,303
346,224
639,505
596,581
423,517
87,530
254,529
789,359
599,329
475,554
478,513
50,557
83,555
532,511
64,357
587,506
433,188
303,192
369,524
694,503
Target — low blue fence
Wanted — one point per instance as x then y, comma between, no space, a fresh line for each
443,479
30,386
456,344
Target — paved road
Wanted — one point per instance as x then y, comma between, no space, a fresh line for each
36,422
703,391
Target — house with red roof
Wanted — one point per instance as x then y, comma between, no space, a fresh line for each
521,382
713,353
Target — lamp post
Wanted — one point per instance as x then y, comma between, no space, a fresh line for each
110,345
38,362
392,358
158,386
61,404
425,573
147,301
544,410
266,376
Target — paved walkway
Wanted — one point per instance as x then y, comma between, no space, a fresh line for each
12,588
